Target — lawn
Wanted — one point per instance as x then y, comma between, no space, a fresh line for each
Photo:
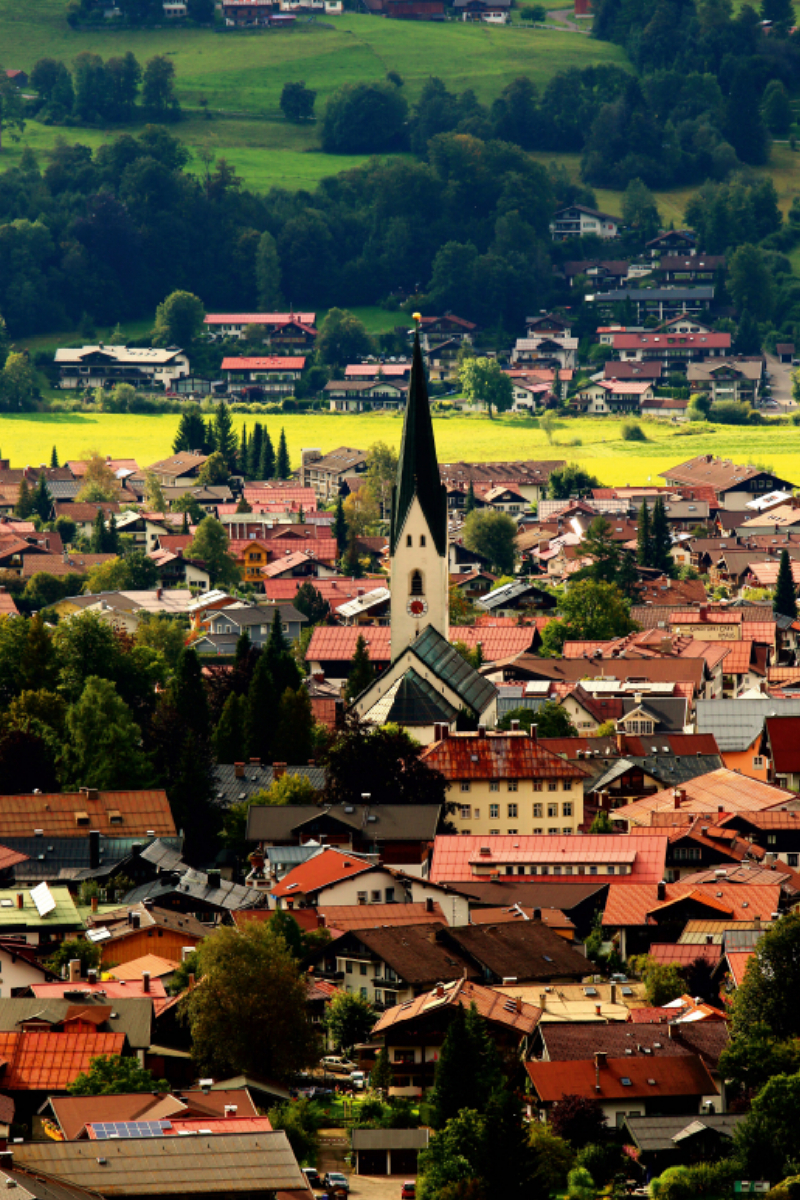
29,438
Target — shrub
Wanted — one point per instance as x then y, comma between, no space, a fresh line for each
730,412
631,431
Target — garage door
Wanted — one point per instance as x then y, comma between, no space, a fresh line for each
372,1162
404,1162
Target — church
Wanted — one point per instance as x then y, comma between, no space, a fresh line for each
427,682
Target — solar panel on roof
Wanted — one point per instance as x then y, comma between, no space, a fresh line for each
128,1129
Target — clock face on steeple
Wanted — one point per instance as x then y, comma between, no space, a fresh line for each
417,607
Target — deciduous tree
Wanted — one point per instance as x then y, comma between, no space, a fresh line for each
349,1019
111,1074
103,747
485,382
492,535
179,320
210,545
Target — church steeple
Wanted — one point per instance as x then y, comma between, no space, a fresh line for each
418,534
418,467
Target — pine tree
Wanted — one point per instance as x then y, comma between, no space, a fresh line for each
224,437
112,537
42,501
24,506
54,458
191,433
784,600
644,548
266,468
188,694
262,712
469,505
254,452
242,460
340,527
361,672
98,539
351,560
453,1072
294,735
381,1076
185,522
228,740
37,668
282,465
280,663
661,539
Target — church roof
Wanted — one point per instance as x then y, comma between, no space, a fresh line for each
418,467
412,701
473,690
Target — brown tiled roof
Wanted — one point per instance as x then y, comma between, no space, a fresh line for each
648,1077
720,791
497,756
378,916
634,904
118,925
57,814
553,918
493,1006
418,954
525,952
565,1042
74,1112
721,474
75,563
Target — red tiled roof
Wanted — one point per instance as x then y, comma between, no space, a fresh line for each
378,916
683,1075
737,963
493,1006
784,740
683,956
270,363
75,563
56,814
174,1126
495,642
329,867
323,548
154,963
266,318
114,989
306,918
497,756
337,643
51,1061
455,858
720,791
7,606
632,904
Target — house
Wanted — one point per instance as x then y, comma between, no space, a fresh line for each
413,1033
734,485
401,833
84,514
512,599
182,468
719,791
104,366
388,1151
255,1165
125,610
659,302
325,473
624,1086
603,272
736,379
175,571
613,396
478,766
672,350
364,395
529,476
563,1042
547,351
738,726
17,77
630,776
274,375
256,621
785,351
233,325
674,241
74,814
74,1114
690,269
130,1016
633,371
129,932
576,220
585,859
483,10
521,952
39,1063
670,1141
435,329
143,986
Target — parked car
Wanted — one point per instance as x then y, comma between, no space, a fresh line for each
334,1181
335,1062
409,1190
312,1175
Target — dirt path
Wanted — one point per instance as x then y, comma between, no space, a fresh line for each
563,16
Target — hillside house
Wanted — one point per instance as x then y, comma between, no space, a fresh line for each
103,366
576,220
732,379
274,375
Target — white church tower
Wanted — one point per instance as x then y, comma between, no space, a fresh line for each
418,537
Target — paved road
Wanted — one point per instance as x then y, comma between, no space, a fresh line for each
564,16
377,1187
781,381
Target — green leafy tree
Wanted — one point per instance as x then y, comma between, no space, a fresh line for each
158,89
590,611
776,108
747,341
229,736
297,102
12,109
88,954
349,1019
179,320
282,465
570,480
103,747
215,470
767,1141
485,382
111,1074
17,383
201,11
640,211
364,118
601,823
382,1076
383,761
300,1120
272,1039
342,339
165,635
552,1159
767,993
100,485
784,600
362,672
751,282
754,1056
154,496
610,562
579,1120
310,603
210,545
381,475
663,981
551,720
135,572
492,535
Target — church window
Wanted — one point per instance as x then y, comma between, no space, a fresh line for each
422,539
409,540
416,583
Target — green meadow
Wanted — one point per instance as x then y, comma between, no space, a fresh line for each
594,442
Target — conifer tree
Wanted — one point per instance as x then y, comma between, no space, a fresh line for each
112,536
644,548
452,1082
266,468
262,712
661,539
340,527
24,506
42,502
185,522
294,734
242,459
54,458
224,437
282,465
382,1076
188,694
784,600
469,505
98,539
280,663
361,672
228,740
254,452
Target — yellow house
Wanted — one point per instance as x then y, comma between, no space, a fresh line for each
507,783
250,555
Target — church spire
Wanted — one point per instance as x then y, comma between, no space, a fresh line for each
418,467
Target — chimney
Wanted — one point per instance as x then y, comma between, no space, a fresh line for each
145,981
704,612
231,1110
613,993
20,900
238,770
428,904
661,890
74,970
278,770
515,726
159,593
94,904
94,849
598,1010
136,919
709,939
620,743
543,1001
481,731
255,762
214,877
537,914
534,733
439,990
91,975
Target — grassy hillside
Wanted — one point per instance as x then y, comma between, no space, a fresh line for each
28,439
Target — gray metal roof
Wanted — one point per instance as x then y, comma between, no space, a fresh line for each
229,897
737,723
170,1166
667,1133
705,292
510,591
133,1016
392,822
68,858
257,615
390,1139
668,769
473,690
64,489
230,788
